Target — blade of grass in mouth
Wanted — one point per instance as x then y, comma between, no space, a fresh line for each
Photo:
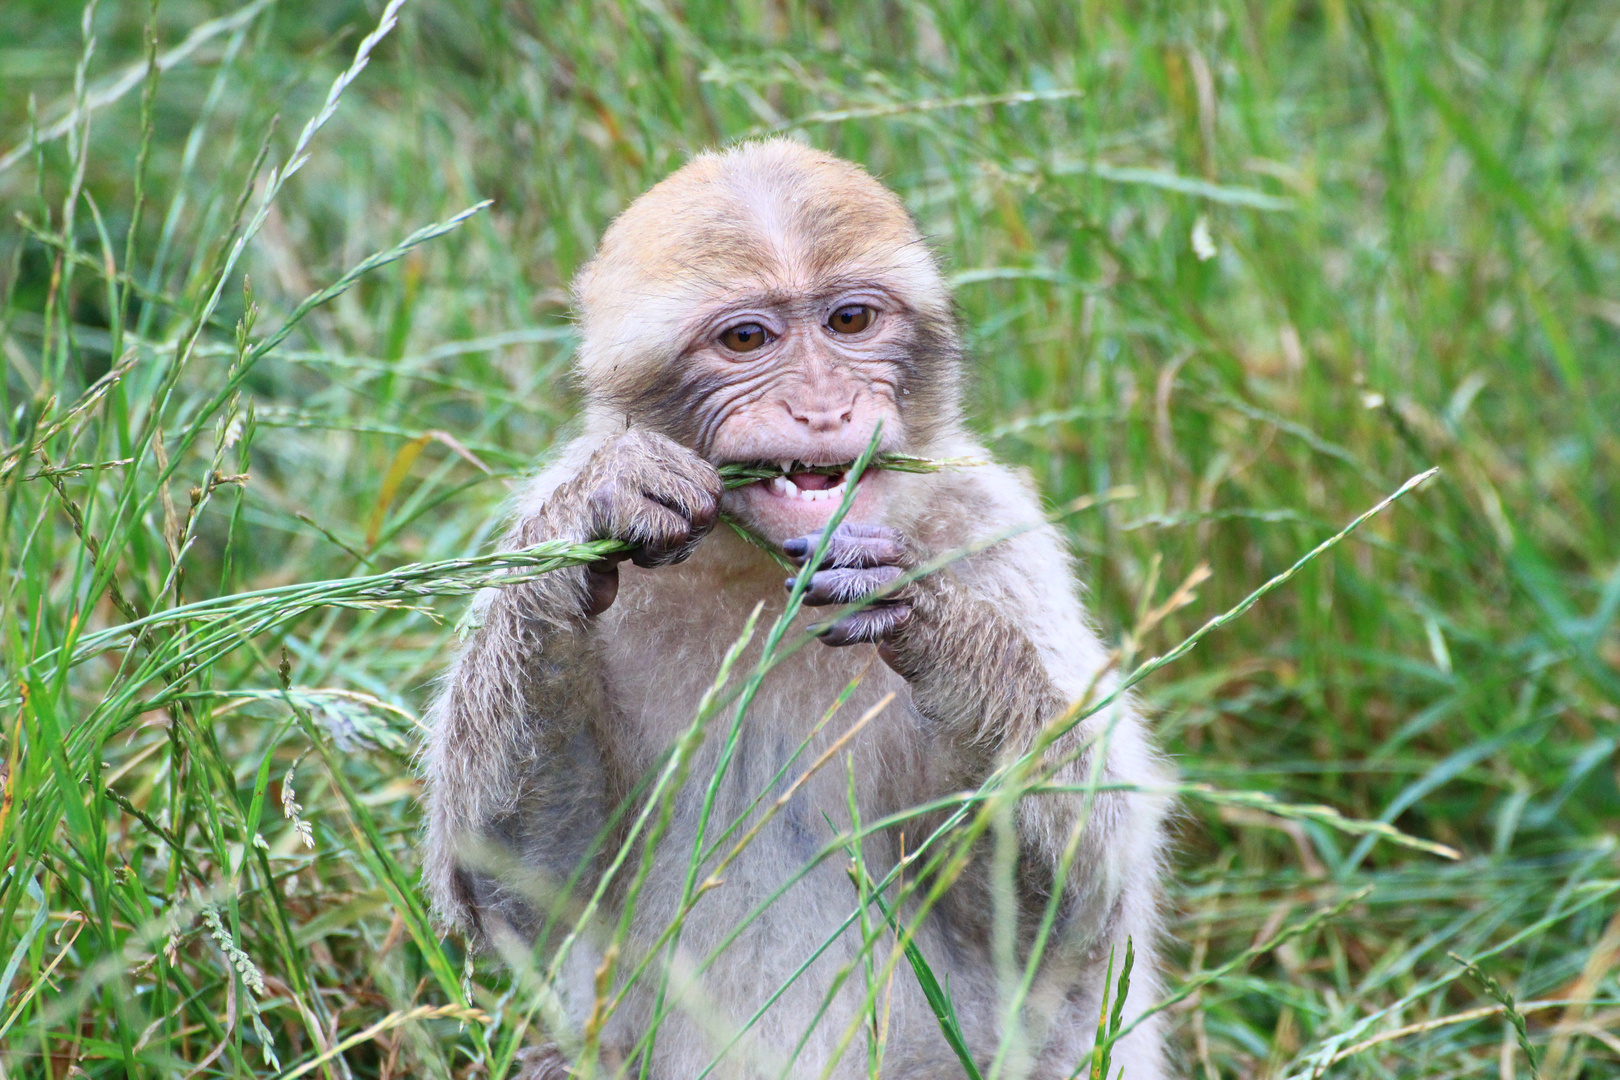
738,475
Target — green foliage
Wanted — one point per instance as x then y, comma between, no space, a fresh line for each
266,385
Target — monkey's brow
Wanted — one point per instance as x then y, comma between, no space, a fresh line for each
729,299
784,297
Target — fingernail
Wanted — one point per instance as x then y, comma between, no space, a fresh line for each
797,547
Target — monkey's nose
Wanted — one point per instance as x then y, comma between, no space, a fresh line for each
820,417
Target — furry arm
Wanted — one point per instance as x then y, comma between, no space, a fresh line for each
981,645
514,776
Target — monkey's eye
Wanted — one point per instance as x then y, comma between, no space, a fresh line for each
851,319
744,337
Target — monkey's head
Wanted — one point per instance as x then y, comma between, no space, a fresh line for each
773,304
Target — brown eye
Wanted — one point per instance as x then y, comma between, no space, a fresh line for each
744,337
852,319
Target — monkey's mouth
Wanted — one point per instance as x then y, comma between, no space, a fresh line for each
808,483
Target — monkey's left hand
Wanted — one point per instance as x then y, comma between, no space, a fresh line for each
860,560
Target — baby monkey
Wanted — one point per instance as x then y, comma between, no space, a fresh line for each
774,304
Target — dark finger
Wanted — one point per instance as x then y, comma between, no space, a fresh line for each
690,500
601,586
852,546
705,515
846,586
665,555
661,536
872,625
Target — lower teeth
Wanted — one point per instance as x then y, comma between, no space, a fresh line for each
788,489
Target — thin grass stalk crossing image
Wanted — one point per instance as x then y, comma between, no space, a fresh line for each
1299,324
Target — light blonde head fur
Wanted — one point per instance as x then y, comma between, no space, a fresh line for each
770,218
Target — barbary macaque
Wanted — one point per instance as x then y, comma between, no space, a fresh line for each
773,305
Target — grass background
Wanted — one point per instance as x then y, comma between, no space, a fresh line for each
1258,261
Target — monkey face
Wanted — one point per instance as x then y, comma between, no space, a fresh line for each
801,382
772,304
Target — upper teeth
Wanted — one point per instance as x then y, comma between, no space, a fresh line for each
787,488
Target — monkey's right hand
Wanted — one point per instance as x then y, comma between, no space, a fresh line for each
648,491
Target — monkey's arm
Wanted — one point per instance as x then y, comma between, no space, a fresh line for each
994,650
515,790
510,745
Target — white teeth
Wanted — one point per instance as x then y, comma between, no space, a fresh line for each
786,488
787,465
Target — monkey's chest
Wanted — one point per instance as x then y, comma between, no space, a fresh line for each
767,796
817,716
666,640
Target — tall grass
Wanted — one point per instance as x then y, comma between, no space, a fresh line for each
1229,273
